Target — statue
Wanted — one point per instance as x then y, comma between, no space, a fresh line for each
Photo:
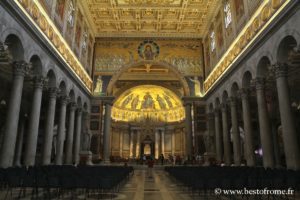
70,15
148,102
98,88
127,100
87,140
135,102
196,86
167,98
87,135
161,102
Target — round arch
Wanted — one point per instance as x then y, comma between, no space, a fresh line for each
179,75
121,91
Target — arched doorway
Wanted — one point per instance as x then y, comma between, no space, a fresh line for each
147,146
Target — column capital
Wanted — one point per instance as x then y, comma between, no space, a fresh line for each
86,115
244,93
223,107
281,69
21,68
79,110
64,99
39,82
190,100
4,53
185,104
73,106
53,92
217,111
107,100
259,83
210,115
232,101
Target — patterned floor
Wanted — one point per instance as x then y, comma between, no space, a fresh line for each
141,186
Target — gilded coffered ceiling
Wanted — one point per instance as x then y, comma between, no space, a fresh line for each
150,18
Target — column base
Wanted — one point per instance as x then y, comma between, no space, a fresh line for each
106,162
86,158
209,158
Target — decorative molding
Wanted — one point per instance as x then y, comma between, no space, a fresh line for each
260,20
260,83
144,18
40,81
21,68
53,92
38,16
281,70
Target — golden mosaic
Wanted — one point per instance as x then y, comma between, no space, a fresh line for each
148,102
111,55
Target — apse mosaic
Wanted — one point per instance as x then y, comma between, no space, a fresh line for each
148,102
184,55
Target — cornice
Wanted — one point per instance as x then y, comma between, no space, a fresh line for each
261,20
42,22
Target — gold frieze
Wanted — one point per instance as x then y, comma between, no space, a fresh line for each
38,16
261,18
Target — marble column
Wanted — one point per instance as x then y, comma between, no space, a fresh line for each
48,137
70,134
264,124
13,111
131,154
156,144
290,138
19,145
34,121
235,132
218,136
163,142
138,144
249,148
226,136
188,128
173,143
121,143
107,133
77,135
61,135
211,147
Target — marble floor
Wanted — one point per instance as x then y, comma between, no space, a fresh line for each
157,187
141,186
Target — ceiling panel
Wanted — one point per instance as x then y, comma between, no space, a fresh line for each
150,18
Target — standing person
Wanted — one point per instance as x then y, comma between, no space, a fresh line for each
162,158
150,167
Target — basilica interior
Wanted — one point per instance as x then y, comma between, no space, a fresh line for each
187,82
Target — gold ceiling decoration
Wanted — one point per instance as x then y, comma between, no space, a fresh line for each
148,103
150,18
149,2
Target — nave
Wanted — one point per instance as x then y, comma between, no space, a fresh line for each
163,183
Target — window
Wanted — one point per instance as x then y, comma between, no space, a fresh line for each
212,41
227,12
